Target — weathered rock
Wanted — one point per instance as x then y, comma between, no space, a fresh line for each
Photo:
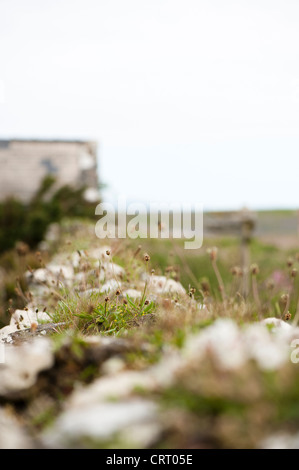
120,384
99,253
111,271
12,434
27,334
77,257
110,286
61,271
102,421
115,386
113,366
277,323
162,285
222,340
132,294
21,320
51,274
22,365
231,347
25,318
270,350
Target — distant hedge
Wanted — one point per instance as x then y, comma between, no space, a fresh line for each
28,222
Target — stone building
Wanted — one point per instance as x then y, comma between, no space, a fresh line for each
24,164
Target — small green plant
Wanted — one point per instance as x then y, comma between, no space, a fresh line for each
112,317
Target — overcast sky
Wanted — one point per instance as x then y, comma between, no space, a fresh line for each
190,100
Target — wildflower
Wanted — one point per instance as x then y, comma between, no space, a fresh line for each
146,302
205,287
168,269
254,269
287,316
22,248
290,262
108,252
284,299
117,292
39,257
294,272
236,271
107,299
213,252
146,257
33,327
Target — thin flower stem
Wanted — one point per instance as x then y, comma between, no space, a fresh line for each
256,296
219,279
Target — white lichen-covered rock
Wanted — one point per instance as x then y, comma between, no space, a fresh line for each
111,270
22,319
40,275
120,384
113,366
277,323
76,258
132,294
5,333
100,253
101,421
112,386
110,286
90,292
268,349
231,346
222,340
51,274
61,271
25,318
162,285
22,365
12,434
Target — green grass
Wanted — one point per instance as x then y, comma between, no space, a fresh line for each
100,313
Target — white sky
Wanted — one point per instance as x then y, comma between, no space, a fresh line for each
190,100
